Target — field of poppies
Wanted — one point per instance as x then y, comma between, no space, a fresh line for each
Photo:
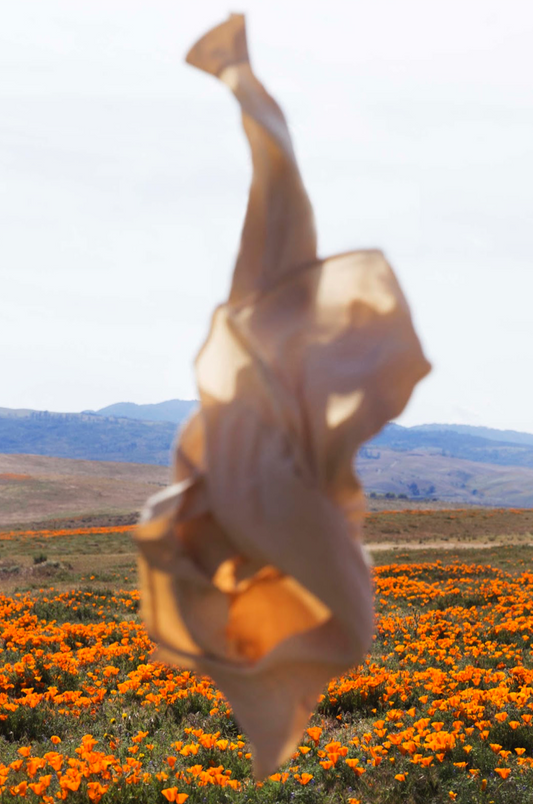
442,710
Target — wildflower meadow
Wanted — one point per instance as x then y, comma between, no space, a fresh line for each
441,710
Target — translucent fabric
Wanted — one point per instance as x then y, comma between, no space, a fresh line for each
251,565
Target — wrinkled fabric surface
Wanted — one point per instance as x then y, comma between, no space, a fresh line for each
251,566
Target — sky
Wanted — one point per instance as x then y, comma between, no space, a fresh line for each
125,175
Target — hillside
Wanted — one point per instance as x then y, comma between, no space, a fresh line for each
86,436
453,465
508,436
452,444
35,488
125,432
37,491
423,474
174,410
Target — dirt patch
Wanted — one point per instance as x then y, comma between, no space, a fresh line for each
44,569
448,546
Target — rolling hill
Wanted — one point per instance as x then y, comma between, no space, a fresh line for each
35,488
453,444
421,474
87,436
508,436
174,410
453,463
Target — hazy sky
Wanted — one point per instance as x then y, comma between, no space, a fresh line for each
125,174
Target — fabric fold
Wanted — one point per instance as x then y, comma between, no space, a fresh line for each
251,564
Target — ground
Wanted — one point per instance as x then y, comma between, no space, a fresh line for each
440,711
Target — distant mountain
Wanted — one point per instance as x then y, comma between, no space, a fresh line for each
451,462
85,435
509,436
121,432
452,444
174,410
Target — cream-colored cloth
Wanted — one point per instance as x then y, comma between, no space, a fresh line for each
251,566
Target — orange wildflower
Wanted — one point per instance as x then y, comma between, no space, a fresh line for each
19,789
40,786
503,772
314,733
172,794
95,791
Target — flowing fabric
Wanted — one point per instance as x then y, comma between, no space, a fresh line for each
251,565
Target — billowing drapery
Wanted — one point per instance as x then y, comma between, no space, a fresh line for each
251,566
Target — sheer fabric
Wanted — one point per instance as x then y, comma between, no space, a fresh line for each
251,565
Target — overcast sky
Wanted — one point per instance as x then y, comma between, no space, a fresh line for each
125,176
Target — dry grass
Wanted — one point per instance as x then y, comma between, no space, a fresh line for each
37,488
454,480
482,535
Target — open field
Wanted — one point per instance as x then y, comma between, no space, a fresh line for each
102,544
449,528
441,711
